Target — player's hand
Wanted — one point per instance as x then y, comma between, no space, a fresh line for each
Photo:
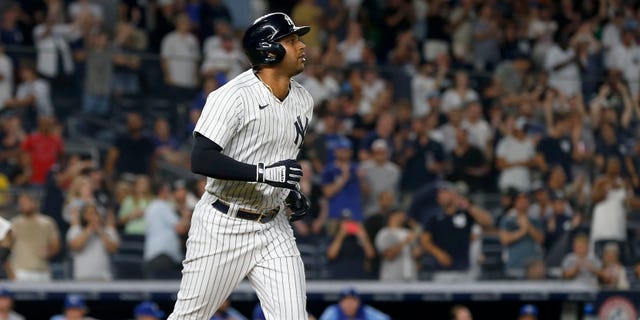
298,203
282,174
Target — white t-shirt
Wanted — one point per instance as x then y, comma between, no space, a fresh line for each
513,150
626,60
6,81
91,262
421,85
42,92
352,52
161,237
566,79
480,133
182,52
402,267
452,99
232,63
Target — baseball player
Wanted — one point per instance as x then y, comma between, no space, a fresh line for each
246,142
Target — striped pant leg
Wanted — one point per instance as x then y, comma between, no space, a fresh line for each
278,277
219,255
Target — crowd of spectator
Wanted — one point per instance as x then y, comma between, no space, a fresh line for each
439,126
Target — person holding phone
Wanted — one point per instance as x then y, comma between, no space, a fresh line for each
351,251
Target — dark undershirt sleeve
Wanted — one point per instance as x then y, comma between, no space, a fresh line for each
207,160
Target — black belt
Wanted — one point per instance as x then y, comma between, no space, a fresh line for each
262,217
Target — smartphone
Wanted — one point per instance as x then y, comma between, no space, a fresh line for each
352,227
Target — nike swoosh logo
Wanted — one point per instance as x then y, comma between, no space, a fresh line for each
262,107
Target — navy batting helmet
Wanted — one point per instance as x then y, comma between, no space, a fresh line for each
260,41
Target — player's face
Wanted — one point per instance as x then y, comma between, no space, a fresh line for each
294,59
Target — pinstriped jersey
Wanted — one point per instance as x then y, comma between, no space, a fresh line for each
252,125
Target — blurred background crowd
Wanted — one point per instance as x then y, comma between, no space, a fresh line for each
451,139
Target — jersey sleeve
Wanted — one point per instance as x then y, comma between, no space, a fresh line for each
220,117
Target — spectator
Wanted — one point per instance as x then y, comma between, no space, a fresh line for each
167,146
612,35
515,156
461,23
133,207
557,148
6,77
40,151
10,31
75,308
446,235
380,174
258,314
560,226
54,57
459,94
309,13
353,46
180,53
342,184
36,241
32,99
609,145
486,34
511,76
350,252
313,224
148,310
332,57
132,152
225,61
162,244
128,42
424,157
11,138
98,75
436,44
213,12
563,66
521,236
609,193
374,223
6,305
350,306
480,133
536,270
581,264
92,238
468,164
86,13
227,312
79,194
425,85
528,312
613,276
460,312
397,248
625,59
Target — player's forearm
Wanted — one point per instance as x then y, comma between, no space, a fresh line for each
207,160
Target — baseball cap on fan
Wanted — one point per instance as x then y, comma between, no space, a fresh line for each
348,292
529,310
74,301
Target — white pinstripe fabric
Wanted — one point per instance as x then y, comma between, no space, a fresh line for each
221,249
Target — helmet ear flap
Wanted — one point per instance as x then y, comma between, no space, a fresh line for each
272,52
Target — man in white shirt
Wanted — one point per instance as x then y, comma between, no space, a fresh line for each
480,132
625,58
162,246
52,46
180,53
227,59
562,64
6,77
514,156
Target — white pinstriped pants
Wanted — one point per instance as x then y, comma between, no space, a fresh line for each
222,250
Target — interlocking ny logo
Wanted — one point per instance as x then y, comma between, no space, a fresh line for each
301,130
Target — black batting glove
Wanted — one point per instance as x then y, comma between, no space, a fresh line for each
299,205
282,174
